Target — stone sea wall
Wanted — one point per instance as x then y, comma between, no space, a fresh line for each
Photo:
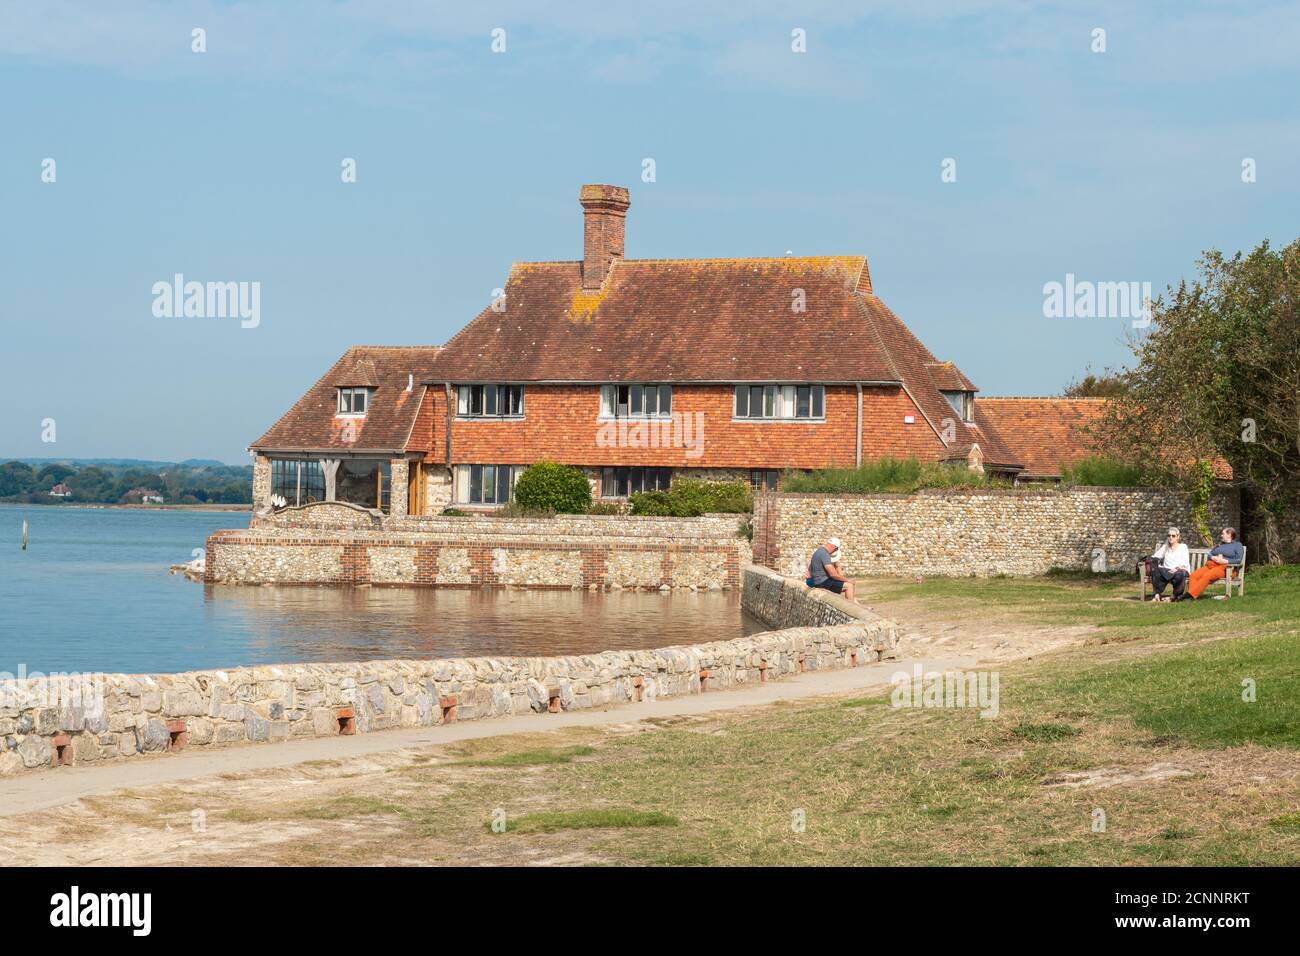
779,602
333,543
47,722
977,531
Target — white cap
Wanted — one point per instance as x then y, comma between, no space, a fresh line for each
833,541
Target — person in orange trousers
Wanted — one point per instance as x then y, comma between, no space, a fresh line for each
1227,552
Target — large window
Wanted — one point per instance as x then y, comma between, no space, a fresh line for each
621,482
297,482
353,401
963,403
781,401
490,401
636,401
764,478
486,484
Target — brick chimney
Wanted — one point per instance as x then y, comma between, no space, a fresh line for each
604,209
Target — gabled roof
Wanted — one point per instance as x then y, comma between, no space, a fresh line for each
312,425
924,378
792,319
676,320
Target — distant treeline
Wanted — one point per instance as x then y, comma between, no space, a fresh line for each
106,483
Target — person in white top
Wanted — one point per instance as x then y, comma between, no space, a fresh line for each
1175,565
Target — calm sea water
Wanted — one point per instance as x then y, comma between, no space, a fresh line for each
92,593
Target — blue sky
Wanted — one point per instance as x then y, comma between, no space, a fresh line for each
225,165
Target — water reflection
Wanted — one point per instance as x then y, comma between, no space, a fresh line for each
339,624
92,593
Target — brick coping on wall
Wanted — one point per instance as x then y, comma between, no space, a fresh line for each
142,715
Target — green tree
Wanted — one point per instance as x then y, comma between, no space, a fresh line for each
52,474
16,479
1218,375
547,485
91,484
1107,385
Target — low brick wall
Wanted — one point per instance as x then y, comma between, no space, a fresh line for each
977,532
118,716
338,544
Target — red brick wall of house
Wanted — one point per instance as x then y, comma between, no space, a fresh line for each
560,424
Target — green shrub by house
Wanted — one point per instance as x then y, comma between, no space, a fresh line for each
899,475
549,486
1101,471
691,497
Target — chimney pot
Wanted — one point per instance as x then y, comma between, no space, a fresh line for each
604,211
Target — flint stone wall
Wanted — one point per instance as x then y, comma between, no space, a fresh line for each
780,602
334,543
980,532
129,716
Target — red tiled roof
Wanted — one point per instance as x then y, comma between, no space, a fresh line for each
675,320
312,424
1045,433
794,319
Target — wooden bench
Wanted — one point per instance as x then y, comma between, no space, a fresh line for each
1196,557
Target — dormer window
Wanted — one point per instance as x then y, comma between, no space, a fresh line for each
354,401
963,403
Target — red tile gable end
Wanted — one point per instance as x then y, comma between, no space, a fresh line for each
313,424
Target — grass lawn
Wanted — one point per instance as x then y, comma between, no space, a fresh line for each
1135,748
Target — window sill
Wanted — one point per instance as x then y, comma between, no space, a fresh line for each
489,418
635,418
779,421
352,415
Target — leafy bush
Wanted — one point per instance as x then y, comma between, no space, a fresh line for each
1103,471
606,508
548,485
887,474
691,497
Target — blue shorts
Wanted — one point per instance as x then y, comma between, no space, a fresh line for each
830,584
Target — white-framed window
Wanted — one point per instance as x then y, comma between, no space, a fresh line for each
486,484
353,401
636,401
490,401
791,402
963,403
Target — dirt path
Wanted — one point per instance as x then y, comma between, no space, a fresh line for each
990,633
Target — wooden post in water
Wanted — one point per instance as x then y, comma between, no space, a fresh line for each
24,534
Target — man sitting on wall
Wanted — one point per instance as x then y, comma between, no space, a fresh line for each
1174,566
824,570
1227,552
